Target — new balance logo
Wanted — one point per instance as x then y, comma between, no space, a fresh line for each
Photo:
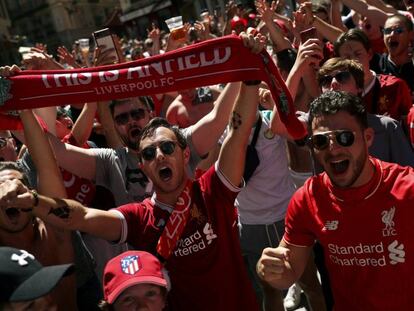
397,253
21,259
331,225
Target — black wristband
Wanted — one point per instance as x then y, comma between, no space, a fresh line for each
252,82
35,197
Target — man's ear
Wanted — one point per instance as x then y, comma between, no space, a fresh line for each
187,154
369,135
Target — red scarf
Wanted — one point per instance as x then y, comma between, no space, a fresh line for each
176,223
210,62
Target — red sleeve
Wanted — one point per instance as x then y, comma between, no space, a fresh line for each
298,219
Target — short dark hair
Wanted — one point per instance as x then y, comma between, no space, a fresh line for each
331,102
353,34
338,63
407,22
145,100
8,165
157,122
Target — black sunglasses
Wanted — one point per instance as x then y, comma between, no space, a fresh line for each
136,115
397,30
167,147
343,138
342,77
3,142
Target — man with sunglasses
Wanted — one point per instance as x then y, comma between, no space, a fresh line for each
398,38
382,94
359,209
390,143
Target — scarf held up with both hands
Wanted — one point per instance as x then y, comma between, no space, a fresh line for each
210,62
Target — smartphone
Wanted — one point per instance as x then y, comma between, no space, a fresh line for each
308,34
104,37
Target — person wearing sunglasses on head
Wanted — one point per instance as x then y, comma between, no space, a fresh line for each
390,143
359,209
382,93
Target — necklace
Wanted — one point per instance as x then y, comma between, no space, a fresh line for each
372,192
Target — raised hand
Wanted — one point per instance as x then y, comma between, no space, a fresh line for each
266,12
8,71
253,40
66,57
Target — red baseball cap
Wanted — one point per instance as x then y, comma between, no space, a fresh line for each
129,269
235,21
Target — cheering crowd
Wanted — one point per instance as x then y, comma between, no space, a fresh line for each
209,198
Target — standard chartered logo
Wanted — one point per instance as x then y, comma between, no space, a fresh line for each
196,242
363,255
397,253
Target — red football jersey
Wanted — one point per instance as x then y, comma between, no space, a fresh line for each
393,98
77,188
366,233
206,268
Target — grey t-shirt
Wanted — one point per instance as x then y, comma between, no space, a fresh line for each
118,171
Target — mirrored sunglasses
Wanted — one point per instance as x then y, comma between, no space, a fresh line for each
321,141
166,147
342,77
136,115
388,31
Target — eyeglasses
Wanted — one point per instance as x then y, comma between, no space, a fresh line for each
397,30
342,77
167,147
136,115
343,138
3,142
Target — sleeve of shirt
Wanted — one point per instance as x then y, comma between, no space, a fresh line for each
105,159
298,218
130,216
215,184
400,149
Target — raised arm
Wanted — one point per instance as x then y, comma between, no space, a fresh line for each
336,16
309,55
369,11
83,126
61,213
266,14
233,152
207,131
111,135
49,177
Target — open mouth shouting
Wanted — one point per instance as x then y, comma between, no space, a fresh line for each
339,167
135,132
165,173
393,44
12,214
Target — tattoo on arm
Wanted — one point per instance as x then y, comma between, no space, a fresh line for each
235,120
62,210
